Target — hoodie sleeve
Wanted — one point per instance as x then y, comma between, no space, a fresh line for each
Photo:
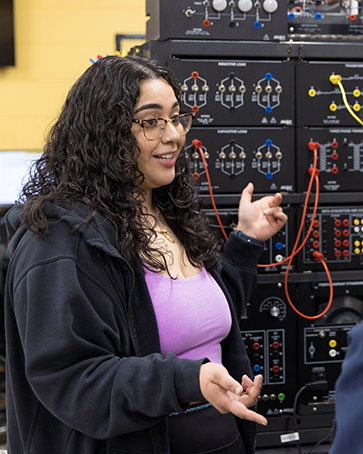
239,268
70,335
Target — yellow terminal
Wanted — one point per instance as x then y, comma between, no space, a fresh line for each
361,221
356,222
312,92
333,107
356,93
357,243
332,343
356,107
361,243
357,250
335,79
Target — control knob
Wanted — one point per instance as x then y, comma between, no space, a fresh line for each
219,5
275,311
270,6
245,5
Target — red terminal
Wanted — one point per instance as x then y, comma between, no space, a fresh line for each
276,368
346,252
337,243
196,176
316,223
334,170
334,156
338,254
334,144
197,143
318,255
337,233
345,232
313,145
337,222
195,109
346,222
352,17
206,23
195,75
275,344
316,244
316,234
346,243
256,345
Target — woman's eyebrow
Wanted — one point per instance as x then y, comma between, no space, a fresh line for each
148,106
153,106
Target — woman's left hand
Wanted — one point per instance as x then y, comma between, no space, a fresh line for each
260,219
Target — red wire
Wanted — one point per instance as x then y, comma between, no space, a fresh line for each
199,147
318,256
314,176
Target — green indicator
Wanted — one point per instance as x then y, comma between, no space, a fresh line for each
281,396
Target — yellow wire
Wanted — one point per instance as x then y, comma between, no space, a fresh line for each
336,80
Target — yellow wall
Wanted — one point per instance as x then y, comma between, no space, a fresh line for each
54,41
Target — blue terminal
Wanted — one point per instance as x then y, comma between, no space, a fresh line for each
268,76
257,24
268,142
291,16
318,16
256,368
279,245
268,175
268,109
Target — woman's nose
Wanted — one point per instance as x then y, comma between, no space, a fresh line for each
171,133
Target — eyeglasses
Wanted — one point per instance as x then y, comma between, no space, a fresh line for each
154,128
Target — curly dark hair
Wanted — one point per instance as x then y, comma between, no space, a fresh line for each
91,156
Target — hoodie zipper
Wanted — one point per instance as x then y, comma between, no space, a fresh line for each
131,290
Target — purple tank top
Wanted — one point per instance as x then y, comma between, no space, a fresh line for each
192,314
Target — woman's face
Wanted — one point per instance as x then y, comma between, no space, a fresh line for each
157,157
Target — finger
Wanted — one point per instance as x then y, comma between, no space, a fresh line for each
276,200
242,412
222,378
248,400
223,403
272,211
250,397
246,382
246,196
280,217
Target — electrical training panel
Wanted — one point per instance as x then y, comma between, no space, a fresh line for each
275,85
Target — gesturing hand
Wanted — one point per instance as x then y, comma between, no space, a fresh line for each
260,219
227,395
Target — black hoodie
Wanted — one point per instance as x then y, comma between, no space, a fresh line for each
84,369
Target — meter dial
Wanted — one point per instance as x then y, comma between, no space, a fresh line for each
275,306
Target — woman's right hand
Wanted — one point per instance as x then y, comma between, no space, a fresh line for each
227,395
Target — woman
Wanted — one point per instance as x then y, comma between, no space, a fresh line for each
120,311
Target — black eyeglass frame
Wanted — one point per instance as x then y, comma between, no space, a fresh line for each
172,120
